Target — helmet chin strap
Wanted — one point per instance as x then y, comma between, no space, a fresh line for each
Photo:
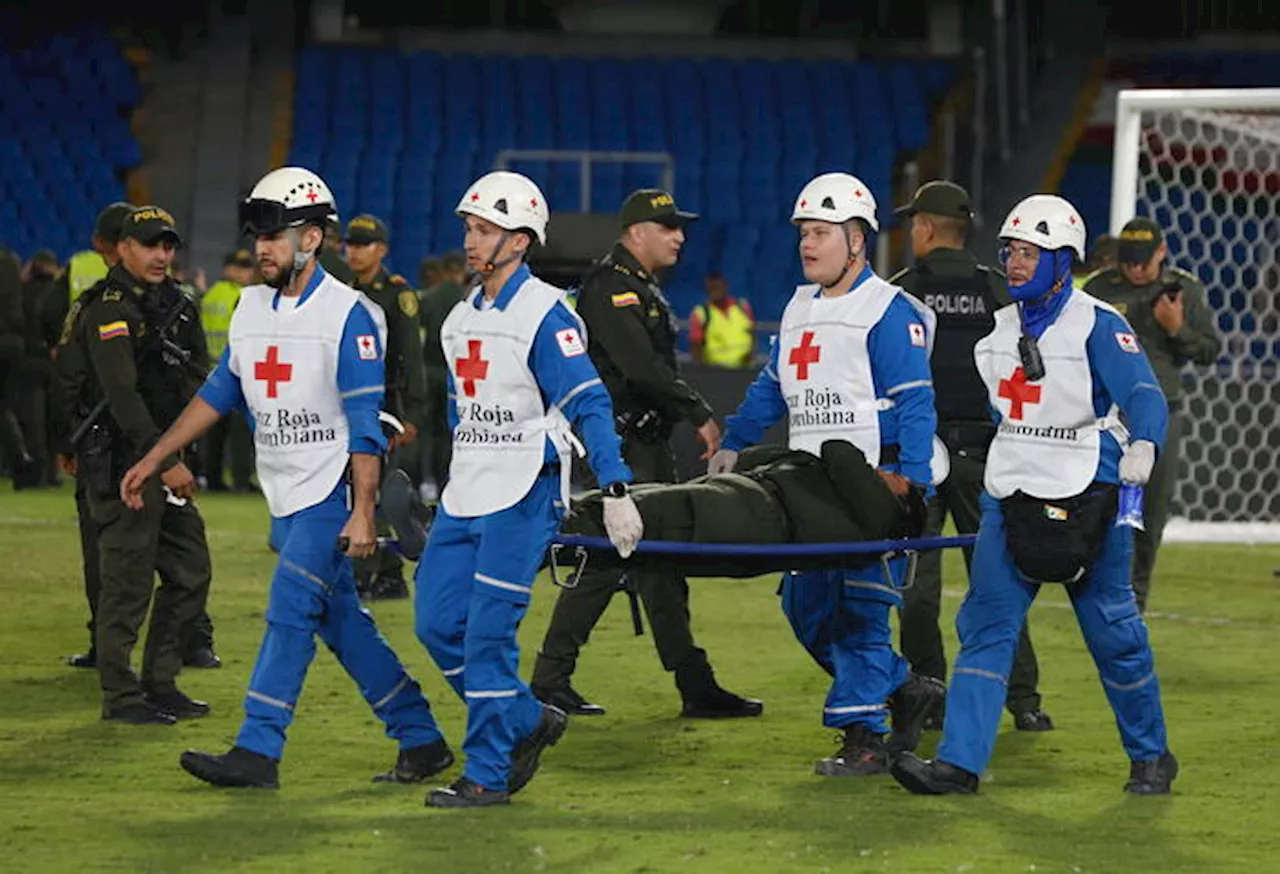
849,261
487,269
300,259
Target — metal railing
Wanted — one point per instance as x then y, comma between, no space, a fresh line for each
585,158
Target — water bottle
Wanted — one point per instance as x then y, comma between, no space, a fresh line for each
1130,511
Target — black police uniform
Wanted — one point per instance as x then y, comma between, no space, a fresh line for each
965,296
631,338
116,351
381,575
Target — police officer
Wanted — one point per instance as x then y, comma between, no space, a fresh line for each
88,267
382,575
33,397
133,354
1168,311
437,301
965,295
631,337
216,306
106,236
13,447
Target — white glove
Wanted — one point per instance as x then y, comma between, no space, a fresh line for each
623,524
724,461
1136,463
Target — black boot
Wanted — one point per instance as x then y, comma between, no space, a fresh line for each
566,698
387,587
84,659
139,713
178,705
202,657
912,703
237,767
862,753
931,777
416,764
1034,719
704,699
466,793
527,756
1154,777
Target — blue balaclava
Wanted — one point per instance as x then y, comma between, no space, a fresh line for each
1036,298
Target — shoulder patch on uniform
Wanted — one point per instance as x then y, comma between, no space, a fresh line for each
916,331
367,347
1128,342
111,330
626,299
570,342
111,294
408,301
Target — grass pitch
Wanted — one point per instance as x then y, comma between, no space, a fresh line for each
639,790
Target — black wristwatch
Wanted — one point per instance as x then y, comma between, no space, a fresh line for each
616,490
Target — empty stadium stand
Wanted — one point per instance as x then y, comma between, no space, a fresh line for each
401,136
65,139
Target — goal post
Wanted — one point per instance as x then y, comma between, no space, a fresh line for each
1205,165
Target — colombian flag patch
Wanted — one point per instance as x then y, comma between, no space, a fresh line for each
111,330
626,299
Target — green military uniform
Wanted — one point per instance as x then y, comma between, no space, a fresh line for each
406,392
231,432
774,495
114,350
331,261
1196,341
965,296
631,338
106,231
437,303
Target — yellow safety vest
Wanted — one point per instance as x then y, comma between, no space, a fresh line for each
215,315
85,270
726,335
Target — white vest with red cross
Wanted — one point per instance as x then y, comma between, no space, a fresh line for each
503,423
824,369
1049,440
287,361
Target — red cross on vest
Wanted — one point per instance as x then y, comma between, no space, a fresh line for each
472,368
1018,392
272,371
804,355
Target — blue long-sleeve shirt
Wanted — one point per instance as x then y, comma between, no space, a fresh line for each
899,371
1121,374
361,381
569,382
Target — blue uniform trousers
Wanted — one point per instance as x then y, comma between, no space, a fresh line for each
842,619
313,592
472,589
988,625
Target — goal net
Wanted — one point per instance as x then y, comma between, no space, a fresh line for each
1205,165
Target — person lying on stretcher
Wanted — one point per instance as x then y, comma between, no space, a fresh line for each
774,495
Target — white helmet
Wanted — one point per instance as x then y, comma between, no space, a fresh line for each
286,198
509,200
1047,221
836,197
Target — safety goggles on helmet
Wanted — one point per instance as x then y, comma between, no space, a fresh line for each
261,217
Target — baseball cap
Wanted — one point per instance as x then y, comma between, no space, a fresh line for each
1139,239
110,222
45,256
653,205
150,224
939,198
366,228
240,258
